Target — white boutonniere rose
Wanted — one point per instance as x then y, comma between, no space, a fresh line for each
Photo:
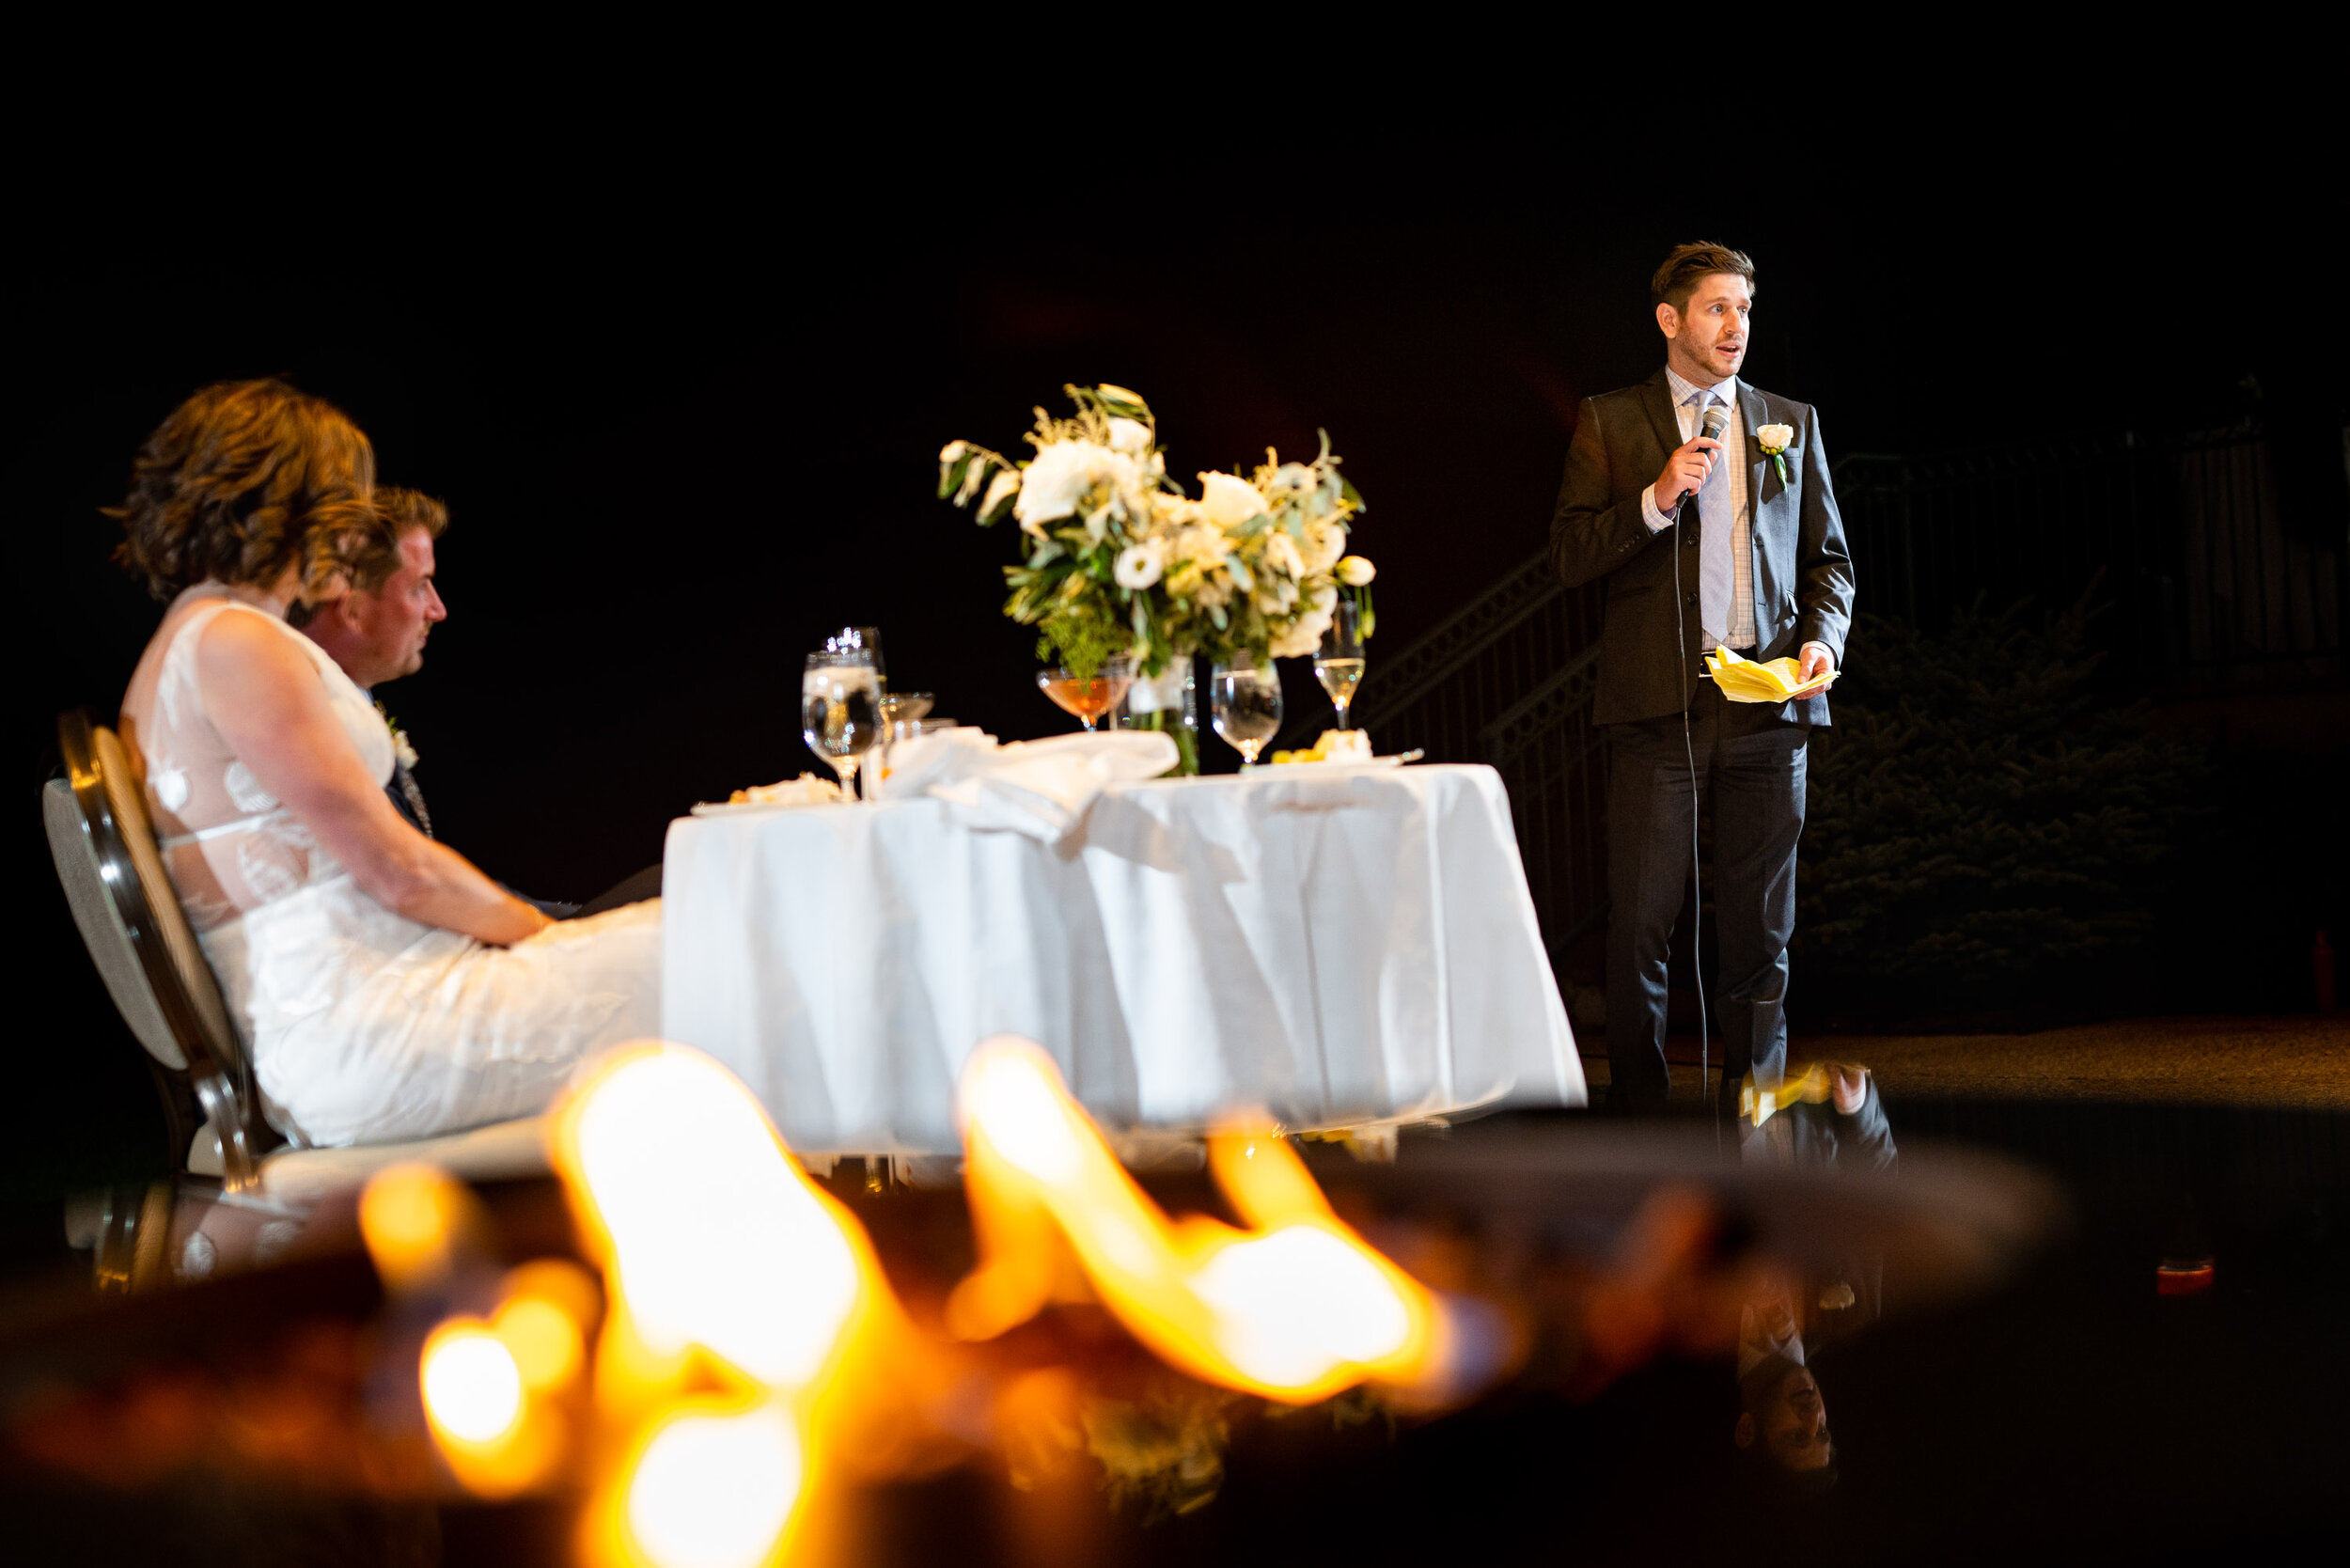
401,749
1775,440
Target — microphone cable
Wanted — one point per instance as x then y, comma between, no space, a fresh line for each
1715,421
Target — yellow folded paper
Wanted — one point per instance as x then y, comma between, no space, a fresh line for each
1746,681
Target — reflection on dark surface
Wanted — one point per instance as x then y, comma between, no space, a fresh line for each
1831,1119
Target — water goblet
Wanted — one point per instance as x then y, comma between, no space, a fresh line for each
861,639
1244,696
1338,665
1089,696
840,710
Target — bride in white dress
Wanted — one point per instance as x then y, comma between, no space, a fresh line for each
385,987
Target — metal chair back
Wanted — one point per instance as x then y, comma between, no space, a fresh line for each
130,919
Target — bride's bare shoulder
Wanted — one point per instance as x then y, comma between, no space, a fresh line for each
248,650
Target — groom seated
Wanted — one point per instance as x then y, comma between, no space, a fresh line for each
380,635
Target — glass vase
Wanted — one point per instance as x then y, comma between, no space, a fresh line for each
1169,704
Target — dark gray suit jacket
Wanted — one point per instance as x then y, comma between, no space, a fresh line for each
1803,581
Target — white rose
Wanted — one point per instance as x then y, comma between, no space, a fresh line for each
1138,565
1301,639
1227,501
1196,542
1130,435
1171,511
1056,481
1323,546
1281,554
1323,600
1776,438
1357,571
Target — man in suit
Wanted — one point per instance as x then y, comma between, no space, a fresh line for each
378,634
1702,543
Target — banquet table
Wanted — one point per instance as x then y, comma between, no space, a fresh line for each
1336,946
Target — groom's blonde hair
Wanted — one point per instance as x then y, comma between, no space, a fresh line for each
1692,264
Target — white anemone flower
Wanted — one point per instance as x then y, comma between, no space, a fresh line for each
1131,436
1138,565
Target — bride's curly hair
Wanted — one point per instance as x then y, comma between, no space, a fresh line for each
247,478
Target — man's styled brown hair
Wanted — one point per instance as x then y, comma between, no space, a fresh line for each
1692,264
247,478
406,509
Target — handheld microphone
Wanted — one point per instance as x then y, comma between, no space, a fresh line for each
1716,421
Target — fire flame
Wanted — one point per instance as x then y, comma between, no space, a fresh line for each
749,1344
722,1260
1297,1308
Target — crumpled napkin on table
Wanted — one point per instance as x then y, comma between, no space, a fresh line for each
807,790
1039,788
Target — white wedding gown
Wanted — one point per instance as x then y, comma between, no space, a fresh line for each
365,1026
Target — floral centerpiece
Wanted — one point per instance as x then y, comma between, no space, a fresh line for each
1120,562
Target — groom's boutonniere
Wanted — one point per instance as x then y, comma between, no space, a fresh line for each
401,749
1775,440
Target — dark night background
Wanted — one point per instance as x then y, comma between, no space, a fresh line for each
681,442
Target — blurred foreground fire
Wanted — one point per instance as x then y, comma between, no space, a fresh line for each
1297,1308
739,1296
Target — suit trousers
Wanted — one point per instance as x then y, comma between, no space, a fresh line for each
1748,764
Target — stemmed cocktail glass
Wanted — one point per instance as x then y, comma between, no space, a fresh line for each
1089,696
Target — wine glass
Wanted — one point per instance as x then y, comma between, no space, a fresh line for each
840,710
1339,664
1245,698
1089,696
861,639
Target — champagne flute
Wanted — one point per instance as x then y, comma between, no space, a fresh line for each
1339,664
1245,698
840,710
1089,696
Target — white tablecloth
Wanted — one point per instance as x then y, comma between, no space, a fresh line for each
1335,945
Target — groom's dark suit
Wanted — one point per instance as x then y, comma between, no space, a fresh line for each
1749,759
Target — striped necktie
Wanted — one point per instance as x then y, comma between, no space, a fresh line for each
1715,573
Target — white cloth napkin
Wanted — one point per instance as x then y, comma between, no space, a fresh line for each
1042,788
807,790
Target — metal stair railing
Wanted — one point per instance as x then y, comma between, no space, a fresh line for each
1554,762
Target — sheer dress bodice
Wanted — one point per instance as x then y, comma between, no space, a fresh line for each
229,845
364,1026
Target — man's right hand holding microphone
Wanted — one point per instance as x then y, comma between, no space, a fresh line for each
1686,472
